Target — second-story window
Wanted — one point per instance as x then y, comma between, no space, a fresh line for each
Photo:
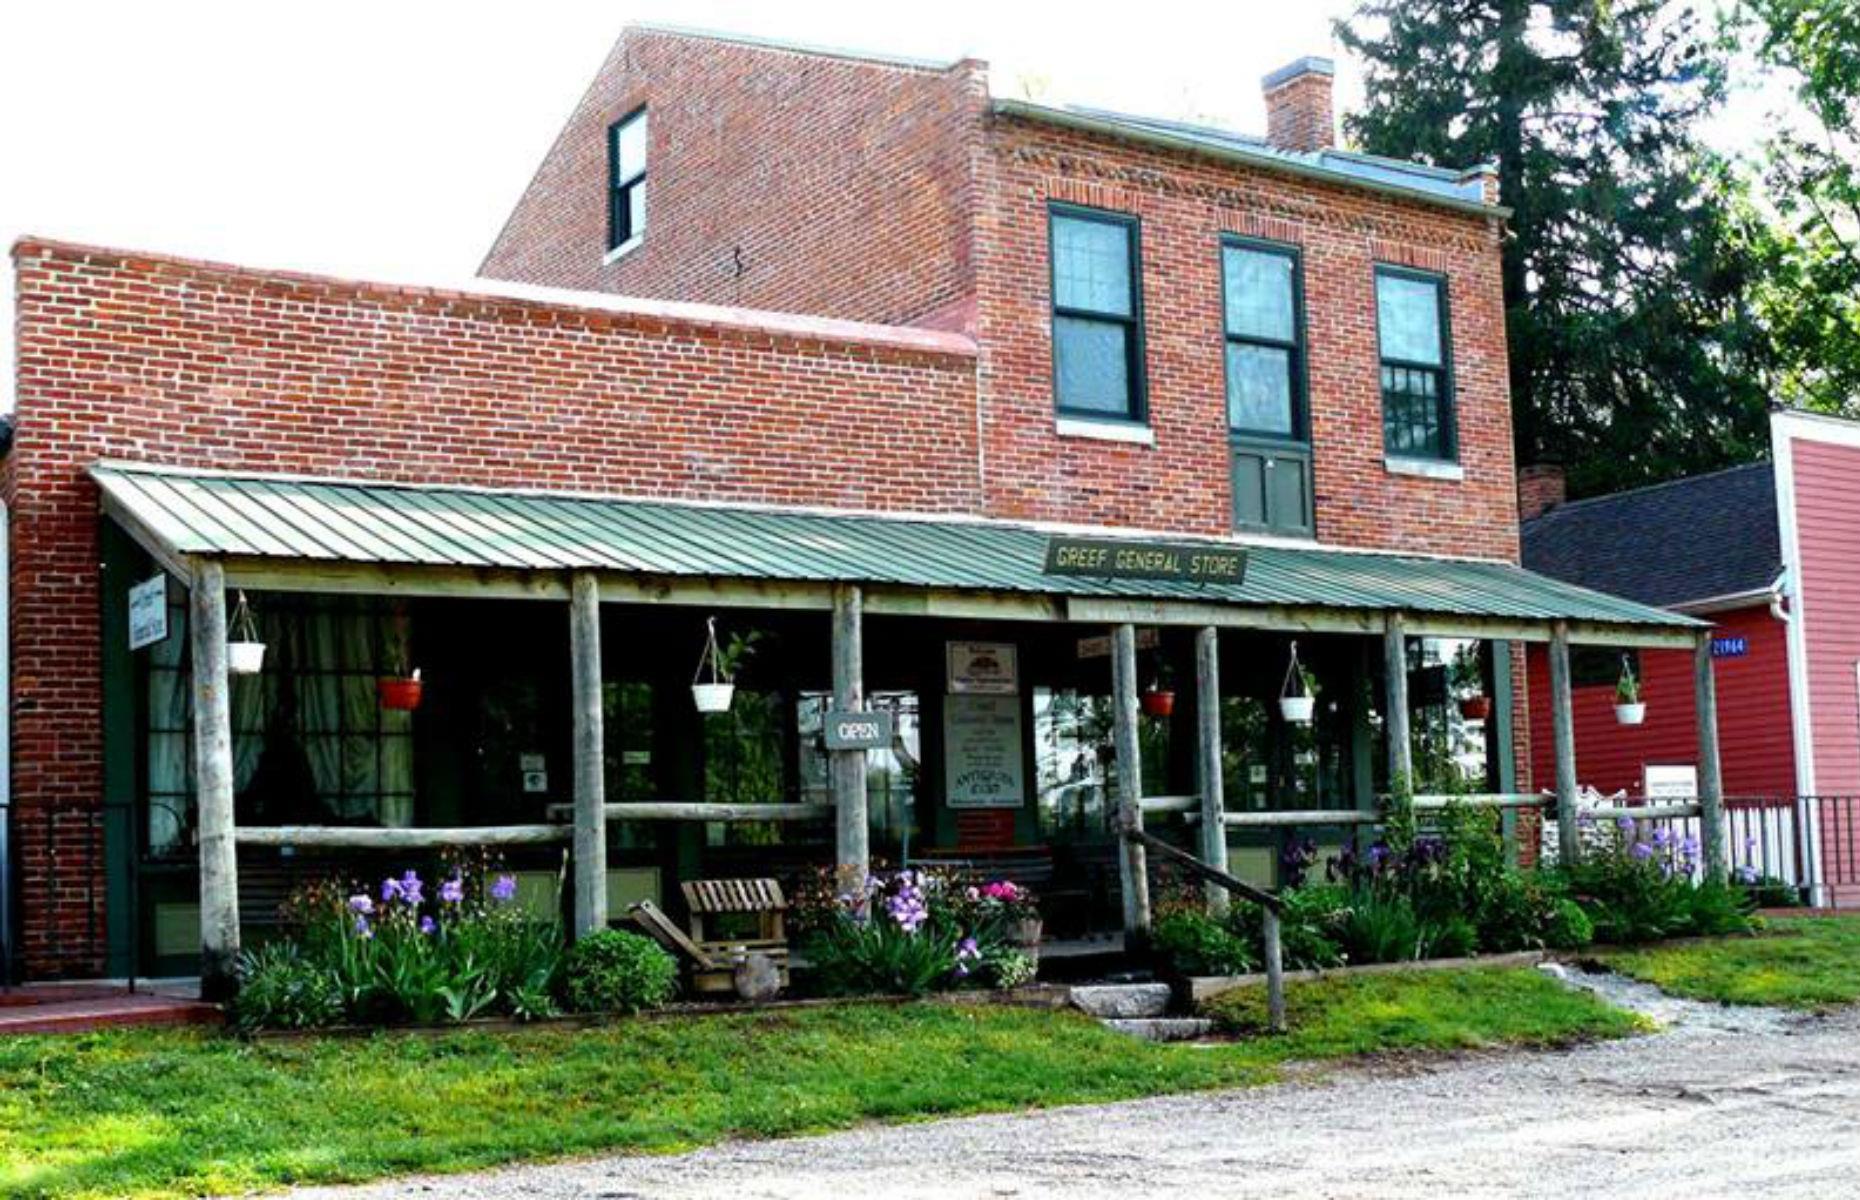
1417,383
1097,315
626,179
1264,340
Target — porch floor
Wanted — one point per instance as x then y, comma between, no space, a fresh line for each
87,1006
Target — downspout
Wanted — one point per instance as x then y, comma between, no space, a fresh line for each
1807,812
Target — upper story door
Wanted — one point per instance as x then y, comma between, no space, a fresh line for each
1267,419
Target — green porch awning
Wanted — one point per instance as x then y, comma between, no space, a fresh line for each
269,519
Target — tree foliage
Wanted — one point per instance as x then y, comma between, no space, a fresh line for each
1810,293
1635,351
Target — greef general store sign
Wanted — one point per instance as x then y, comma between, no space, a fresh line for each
1100,558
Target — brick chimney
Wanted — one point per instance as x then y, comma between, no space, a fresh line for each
1298,112
1540,489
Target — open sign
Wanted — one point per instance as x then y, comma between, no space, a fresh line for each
857,730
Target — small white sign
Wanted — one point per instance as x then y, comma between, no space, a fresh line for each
148,612
532,762
983,669
636,758
535,782
1672,782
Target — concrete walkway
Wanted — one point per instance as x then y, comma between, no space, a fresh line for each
1755,1104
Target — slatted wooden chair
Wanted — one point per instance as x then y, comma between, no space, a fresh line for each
708,974
760,899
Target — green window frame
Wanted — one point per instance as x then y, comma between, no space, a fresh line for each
626,179
1417,381
1255,338
1085,327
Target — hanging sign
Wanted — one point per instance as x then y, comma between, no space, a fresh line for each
148,612
983,669
982,763
535,768
1148,638
857,730
1730,647
1105,558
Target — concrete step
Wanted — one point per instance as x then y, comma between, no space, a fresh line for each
1122,1001
1162,1029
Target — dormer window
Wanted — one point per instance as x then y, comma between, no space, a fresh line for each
626,181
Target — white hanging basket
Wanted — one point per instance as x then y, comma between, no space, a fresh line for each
1297,709
245,658
1630,714
713,697
1297,701
245,654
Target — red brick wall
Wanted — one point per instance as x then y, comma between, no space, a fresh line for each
1182,482
775,179
193,364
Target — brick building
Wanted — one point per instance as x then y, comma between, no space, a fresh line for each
837,350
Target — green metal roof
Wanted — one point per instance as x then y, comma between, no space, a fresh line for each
263,517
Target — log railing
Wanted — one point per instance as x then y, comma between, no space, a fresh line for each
1271,909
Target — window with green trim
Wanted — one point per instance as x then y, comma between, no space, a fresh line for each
1417,379
626,179
1265,340
1097,315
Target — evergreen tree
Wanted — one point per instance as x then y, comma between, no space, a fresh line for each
1635,354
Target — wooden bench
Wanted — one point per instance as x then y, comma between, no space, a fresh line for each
712,959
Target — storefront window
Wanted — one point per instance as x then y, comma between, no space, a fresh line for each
311,742
1075,763
745,762
891,774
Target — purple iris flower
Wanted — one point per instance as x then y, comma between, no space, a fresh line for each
410,888
1642,851
504,888
362,928
1624,824
428,925
390,890
360,904
452,891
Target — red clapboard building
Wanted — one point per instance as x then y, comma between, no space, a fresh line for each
1769,554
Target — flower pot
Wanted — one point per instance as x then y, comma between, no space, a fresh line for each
1158,702
1297,709
1027,938
1630,714
713,697
1476,708
245,658
401,695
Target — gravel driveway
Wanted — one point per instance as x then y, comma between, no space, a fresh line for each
1723,1104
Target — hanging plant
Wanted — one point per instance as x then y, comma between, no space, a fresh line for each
245,653
1630,709
1158,698
713,695
1476,708
400,691
1298,696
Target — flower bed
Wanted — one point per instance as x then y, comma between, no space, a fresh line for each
913,932
1451,894
402,953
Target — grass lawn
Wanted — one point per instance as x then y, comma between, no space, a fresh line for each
1796,962
173,1113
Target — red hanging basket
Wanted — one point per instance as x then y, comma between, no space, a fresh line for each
402,695
1158,702
1476,708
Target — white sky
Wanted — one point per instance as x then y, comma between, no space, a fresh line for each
388,139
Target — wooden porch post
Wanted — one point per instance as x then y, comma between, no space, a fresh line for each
1711,781
853,833
1133,865
584,643
1563,736
1395,668
213,781
1208,747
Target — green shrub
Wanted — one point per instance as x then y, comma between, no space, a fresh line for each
1718,908
1006,969
1565,926
1194,943
281,989
1311,927
855,956
1637,887
613,971
1383,927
